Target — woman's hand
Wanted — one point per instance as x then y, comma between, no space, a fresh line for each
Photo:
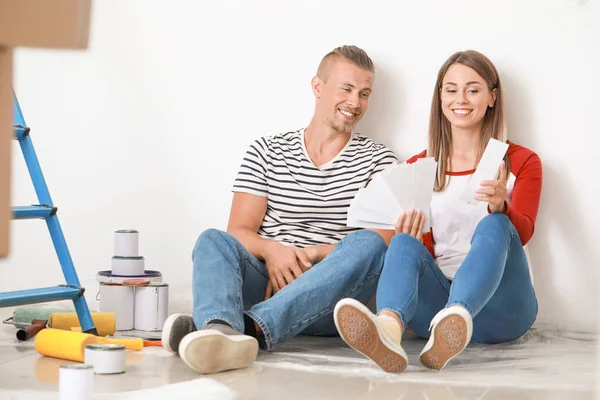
494,192
412,223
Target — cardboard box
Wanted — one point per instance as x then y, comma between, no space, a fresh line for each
60,24
5,145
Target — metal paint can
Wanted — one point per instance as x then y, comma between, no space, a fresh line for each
151,306
106,358
127,243
128,266
75,382
118,299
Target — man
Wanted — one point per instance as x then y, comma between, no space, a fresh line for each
288,256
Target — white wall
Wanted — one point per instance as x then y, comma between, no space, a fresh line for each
146,129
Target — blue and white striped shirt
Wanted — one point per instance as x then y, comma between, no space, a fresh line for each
308,205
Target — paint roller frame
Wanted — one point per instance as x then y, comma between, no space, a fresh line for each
18,325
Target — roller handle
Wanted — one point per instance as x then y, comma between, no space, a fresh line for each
31,330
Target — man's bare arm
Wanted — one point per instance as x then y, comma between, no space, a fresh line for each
285,264
246,216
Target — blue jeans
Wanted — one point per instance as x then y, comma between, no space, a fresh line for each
229,282
492,283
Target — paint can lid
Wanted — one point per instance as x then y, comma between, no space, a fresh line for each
158,284
105,347
77,366
126,231
108,277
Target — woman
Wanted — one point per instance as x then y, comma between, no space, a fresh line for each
468,278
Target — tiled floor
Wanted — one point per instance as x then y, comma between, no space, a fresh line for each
539,366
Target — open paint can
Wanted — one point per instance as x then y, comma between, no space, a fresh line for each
151,306
106,358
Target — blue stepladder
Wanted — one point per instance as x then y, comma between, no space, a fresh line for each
72,290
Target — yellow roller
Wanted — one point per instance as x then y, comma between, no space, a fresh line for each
104,322
130,344
135,344
66,345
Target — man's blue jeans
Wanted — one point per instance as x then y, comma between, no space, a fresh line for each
492,283
229,282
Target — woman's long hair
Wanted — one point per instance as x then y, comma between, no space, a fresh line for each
440,131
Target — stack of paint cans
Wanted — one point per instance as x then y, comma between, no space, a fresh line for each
76,381
137,296
127,260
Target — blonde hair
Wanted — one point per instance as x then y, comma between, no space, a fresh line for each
352,54
440,131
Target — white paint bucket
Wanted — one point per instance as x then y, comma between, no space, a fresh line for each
128,266
118,299
75,382
151,306
127,243
106,358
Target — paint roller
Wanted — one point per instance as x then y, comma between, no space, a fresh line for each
105,322
66,345
24,318
70,345
135,344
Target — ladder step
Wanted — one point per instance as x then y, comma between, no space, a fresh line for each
31,212
20,132
42,295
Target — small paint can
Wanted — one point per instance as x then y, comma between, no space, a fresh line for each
128,266
106,358
127,243
118,299
75,382
151,306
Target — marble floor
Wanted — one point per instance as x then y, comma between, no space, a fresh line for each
540,366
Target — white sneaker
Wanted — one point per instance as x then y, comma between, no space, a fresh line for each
176,327
218,348
370,335
451,331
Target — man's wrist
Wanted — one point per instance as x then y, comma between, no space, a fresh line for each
267,248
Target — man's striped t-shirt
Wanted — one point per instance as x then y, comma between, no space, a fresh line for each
307,205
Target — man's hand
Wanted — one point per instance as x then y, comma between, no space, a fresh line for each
285,264
268,291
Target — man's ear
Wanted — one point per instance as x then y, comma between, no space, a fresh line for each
316,84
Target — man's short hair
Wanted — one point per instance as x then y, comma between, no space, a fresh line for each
351,54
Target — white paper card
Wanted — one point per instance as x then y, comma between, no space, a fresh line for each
400,181
397,189
486,170
378,198
425,169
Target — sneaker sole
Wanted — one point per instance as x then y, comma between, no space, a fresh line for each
166,332
449,340
357,329
209,351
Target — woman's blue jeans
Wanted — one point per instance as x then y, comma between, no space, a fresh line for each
492,283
